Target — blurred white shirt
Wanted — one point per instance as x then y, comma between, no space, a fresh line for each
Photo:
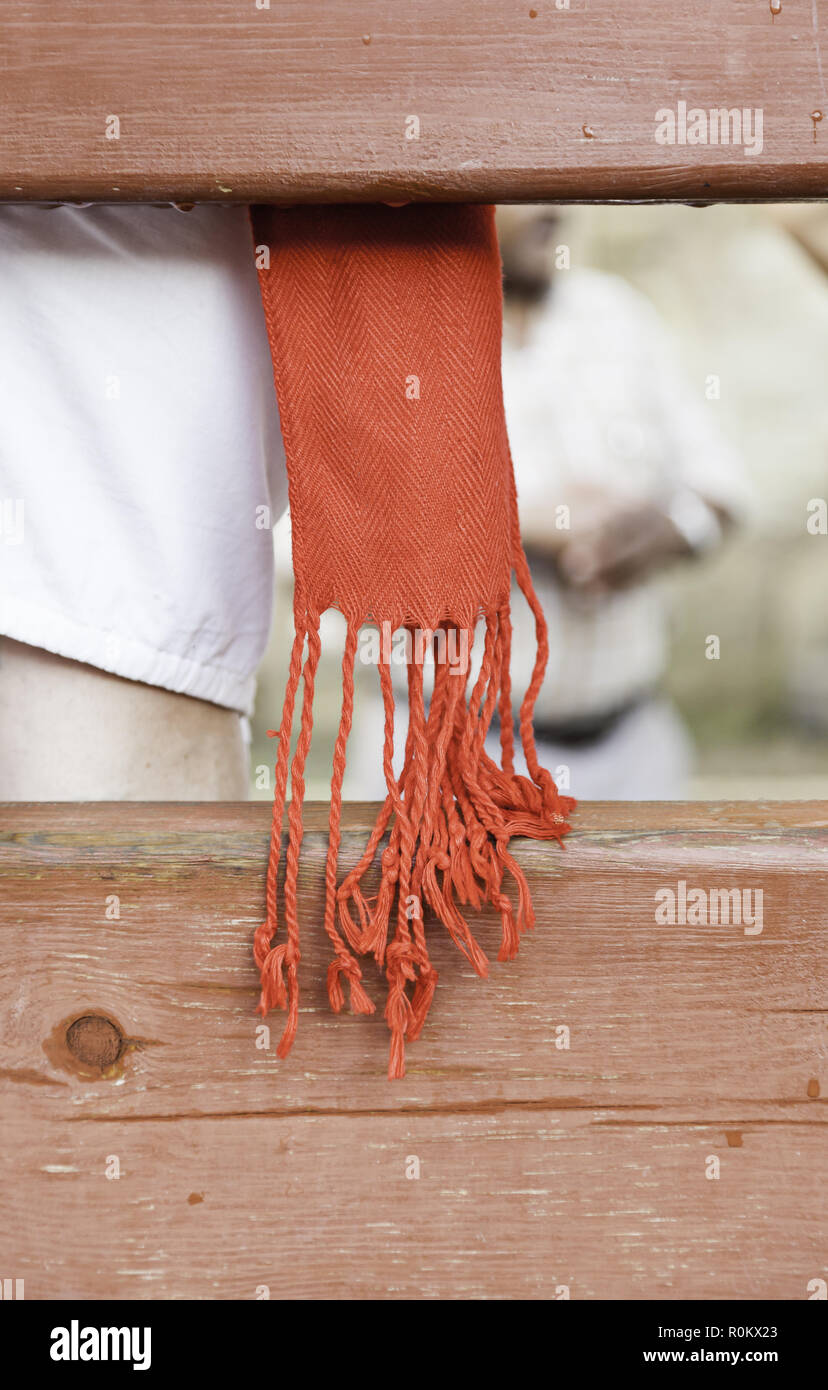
594,402
140,432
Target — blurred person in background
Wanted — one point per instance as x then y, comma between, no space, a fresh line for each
621,474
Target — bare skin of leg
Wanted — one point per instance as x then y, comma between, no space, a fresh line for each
70,732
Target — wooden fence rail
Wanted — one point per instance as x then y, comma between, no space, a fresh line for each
495,100
561,1125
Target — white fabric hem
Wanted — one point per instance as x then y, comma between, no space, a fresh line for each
124,656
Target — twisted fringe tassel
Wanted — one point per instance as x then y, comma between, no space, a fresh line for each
274,960
450,816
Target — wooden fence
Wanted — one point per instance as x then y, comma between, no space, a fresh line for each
631,1109
496,100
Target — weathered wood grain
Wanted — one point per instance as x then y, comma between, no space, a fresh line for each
515,101
541,1167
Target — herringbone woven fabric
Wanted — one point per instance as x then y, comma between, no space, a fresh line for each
385,327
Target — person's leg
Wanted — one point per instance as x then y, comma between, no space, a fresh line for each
70,732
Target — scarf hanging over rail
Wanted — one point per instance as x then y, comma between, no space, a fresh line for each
385,329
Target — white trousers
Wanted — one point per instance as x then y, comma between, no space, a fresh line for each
647,756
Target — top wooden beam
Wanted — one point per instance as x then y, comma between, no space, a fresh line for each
493,100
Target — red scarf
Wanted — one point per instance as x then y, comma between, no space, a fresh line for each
385,327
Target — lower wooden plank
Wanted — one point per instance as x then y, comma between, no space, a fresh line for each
567,1115
510,1204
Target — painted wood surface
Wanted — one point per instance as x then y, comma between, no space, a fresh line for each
527,99
545,1170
